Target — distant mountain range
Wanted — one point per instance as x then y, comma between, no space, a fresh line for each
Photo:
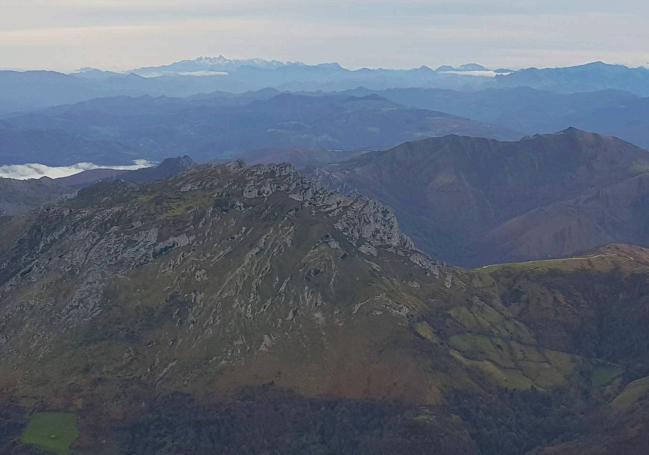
584,78
205,66
225,126
474,201
21,91
120,129
222,66
609,112
57,147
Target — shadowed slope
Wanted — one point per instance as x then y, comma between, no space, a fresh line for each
475,201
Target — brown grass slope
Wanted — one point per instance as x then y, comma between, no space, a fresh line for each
244,309
475,201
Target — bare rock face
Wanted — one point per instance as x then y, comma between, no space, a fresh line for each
251,266
359,218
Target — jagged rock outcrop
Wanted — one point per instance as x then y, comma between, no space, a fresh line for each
359,218
242,235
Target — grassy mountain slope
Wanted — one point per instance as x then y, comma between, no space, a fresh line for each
21,196
188,315
476,201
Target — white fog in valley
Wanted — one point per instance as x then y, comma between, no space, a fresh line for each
37,170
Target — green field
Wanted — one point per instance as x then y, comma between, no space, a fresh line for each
51,431
632,393
604,374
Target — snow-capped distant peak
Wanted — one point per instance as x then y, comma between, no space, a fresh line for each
209,65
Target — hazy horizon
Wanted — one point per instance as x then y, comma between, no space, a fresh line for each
119,35
234,58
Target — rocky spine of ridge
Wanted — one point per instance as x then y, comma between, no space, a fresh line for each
100,235
359,218
222,278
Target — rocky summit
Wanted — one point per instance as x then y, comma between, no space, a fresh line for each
236,309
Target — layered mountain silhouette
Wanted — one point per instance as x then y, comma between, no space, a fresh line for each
222,126
610,112
583,78
477,201
237,308
56,147
177,316
28,90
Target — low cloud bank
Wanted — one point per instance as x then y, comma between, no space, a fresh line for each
37,170
480,73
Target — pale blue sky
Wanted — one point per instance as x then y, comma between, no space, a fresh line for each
121,34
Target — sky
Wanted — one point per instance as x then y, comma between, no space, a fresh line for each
66,35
